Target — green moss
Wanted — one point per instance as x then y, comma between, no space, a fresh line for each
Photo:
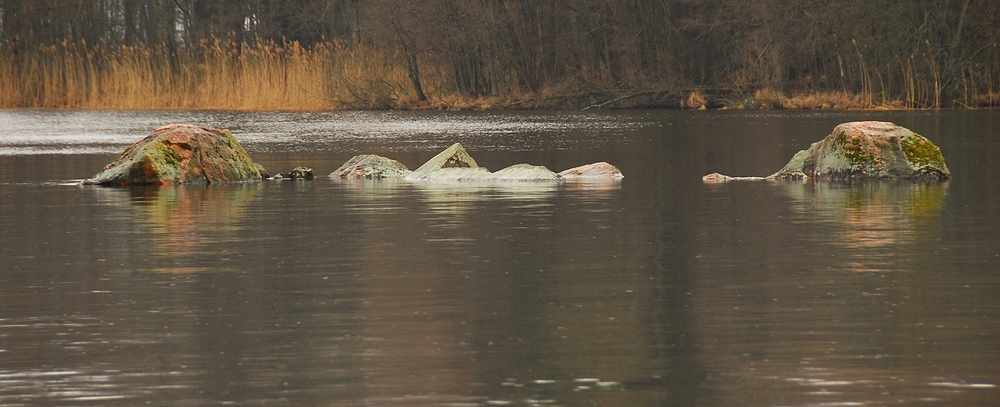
921,151
169,155
852,149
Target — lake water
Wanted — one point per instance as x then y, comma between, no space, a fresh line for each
655,291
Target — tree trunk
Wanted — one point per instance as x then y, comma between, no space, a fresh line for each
413,71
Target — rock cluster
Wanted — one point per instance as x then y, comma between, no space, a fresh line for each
455,164
184,154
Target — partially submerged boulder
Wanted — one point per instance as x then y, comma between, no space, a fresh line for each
371,166
180,154
524,172
595,170
297,173
716,178
862,150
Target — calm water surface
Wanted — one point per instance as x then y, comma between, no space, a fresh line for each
655,291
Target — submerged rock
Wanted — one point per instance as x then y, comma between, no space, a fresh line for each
180,154
716,178
303,173
525,172
595,170
862,150
371,166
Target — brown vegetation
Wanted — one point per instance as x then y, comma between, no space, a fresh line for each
383,54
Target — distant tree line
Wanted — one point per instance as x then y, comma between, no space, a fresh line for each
925,53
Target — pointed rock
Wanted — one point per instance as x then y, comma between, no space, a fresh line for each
452,157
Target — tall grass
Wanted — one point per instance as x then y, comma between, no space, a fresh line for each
220,74
211,75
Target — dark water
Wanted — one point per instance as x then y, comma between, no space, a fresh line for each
658,291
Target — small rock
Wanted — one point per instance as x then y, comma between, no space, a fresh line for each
303,173
263,172
715,178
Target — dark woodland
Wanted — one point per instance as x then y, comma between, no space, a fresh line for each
561,53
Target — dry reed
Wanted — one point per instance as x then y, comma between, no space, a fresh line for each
336,75
212,75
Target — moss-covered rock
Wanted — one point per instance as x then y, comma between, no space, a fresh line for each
868,150
180,154
371,166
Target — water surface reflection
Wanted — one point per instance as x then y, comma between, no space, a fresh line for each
656,290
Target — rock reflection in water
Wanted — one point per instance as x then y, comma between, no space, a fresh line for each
870,219
186,221
461,287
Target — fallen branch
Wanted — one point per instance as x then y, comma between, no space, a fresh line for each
619,99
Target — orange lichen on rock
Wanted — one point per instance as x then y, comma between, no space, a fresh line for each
180,154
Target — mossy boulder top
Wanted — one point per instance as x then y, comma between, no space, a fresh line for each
180,154
868,150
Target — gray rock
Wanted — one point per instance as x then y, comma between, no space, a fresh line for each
297,173
514,173
455,164
371,166
452,157
525,172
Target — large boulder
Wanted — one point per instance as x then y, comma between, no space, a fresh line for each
859,151
371,166
180,154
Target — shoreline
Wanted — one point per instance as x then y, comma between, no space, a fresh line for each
662,100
